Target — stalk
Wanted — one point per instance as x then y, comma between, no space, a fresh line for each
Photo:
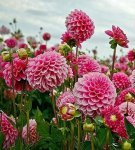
92,142
114,58
107,140
72,136
79,135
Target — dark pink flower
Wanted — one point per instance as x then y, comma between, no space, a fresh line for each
11,42
79,25
23,45
121,80
94,91
46,71
87,64
121,66
9,132
33,135
46,36
118,35
114,119
131,55
124,96
66,97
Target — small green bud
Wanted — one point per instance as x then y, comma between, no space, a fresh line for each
126,146
89,127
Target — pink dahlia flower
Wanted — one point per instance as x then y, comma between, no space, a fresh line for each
128,108
19,74
9,132
23,45
114,119
132,78
131,55
118,35
125,96
70,72
4,30
66,97
94,91
123,59
11,42
121,80
121,66
79,25
46,71
46,36
104,68
87,64
33,135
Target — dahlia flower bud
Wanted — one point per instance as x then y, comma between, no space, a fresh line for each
6,56
126,146
64,48
11,42
129,97
33,135
54,121
46,36
89,127
67,111
22,53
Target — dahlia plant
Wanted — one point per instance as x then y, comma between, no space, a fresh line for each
59,97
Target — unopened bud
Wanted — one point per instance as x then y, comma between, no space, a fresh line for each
6,56
89,127
129,97
22,53
64,48
126,146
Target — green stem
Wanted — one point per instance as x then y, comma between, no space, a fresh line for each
76,76
92,142
12,72
107,139
72,136
27,115
113,62
79,135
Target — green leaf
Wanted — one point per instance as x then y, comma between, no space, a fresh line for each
28,105
1,140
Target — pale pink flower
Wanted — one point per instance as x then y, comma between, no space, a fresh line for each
66,97
94,91
104,68
118,35
4,30
132,78
79,25
114,119
9,132
46,71
33,135
121,80
128,108
87,64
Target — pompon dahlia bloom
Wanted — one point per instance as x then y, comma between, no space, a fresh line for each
114,119
33,135
46,71
19,74
121,66
94,91
129,110
104,68
131,55
121,80
46,36
87,64
66,97
11,42
79,25
118,35
9,132
125,96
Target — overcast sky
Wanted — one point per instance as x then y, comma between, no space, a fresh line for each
51,14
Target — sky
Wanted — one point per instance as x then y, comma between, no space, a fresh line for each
51,14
